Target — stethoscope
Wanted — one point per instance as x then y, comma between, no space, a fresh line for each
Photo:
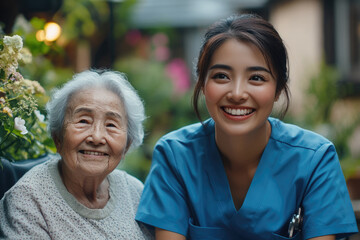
295,223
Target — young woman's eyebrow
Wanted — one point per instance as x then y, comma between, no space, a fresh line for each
222,66
258,68
249,69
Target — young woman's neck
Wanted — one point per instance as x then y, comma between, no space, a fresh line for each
243,151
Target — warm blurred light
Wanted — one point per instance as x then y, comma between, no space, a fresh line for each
52,31
40,35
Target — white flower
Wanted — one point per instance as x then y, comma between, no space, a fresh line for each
28,83
39,116
20,125
14,42
25,56
37,87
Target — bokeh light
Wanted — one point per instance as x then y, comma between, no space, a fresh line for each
50,33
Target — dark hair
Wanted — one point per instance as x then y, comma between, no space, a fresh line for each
249,28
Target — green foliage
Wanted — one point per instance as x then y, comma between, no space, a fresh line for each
323,94
88,20
22,128
37,47
122,11
149,79
41,67
15,146
350,166
23,96
47,74
323,91
341,136
137,163
82,18
166,111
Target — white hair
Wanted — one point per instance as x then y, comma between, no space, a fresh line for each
113,81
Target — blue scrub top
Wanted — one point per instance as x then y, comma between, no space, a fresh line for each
187,190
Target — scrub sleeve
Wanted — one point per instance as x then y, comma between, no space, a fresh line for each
165,202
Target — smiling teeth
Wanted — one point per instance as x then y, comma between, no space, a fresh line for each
93,153
238,112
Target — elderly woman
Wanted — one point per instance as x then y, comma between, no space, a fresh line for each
94,120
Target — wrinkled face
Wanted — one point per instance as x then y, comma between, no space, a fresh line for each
95,133
239,89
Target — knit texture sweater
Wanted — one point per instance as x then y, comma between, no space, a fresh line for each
39,206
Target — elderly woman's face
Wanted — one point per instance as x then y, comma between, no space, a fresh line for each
95,133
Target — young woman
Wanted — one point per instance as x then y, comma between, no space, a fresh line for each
242,174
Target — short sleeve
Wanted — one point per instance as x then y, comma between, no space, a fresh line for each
163,203
20,216
327,205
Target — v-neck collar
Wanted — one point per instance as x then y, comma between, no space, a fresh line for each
220,184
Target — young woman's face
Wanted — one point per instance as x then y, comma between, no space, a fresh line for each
239,88
95,133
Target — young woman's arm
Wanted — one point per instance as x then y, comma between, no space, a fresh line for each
328,237
162,234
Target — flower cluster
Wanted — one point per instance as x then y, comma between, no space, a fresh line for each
22,126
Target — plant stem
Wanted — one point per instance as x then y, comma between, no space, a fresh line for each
6,137
14,98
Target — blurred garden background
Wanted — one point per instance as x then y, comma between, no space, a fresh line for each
156,42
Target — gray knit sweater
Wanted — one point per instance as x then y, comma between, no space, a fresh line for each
39,206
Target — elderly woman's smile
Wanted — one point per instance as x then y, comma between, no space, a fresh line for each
96,155
87,152
95,133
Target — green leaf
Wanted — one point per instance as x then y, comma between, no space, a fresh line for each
2,74
37,23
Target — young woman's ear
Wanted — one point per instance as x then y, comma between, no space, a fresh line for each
277,96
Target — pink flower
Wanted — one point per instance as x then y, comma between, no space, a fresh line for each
160,39
162,53
179,74
16,76
133,37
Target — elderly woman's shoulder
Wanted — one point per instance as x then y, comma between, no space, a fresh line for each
39,171
34,181
121,177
